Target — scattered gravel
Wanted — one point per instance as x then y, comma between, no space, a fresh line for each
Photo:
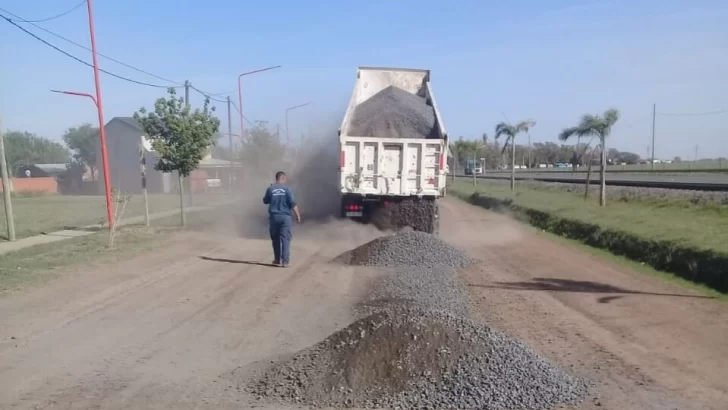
394,113
424,288
407,249
420,214
419,359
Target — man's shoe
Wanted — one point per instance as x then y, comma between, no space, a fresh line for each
284,265
276,263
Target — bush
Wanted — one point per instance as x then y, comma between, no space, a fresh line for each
697,265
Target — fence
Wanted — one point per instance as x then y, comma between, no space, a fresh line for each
47,185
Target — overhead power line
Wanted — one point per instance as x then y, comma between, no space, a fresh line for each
158,77
244,117
177,83
690,114
78,59
53,17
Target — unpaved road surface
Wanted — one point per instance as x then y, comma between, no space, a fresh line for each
648,344
181,326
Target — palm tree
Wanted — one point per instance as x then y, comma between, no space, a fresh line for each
599,127
510,131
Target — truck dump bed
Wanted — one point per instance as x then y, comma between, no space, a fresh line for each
393,141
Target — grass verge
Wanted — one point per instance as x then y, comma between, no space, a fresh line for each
638,267
35,215
691,243
38,264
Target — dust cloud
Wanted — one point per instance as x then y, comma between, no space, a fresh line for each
312,171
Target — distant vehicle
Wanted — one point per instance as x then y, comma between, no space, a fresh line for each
473,165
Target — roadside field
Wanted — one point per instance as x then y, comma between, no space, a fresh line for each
684,166
627,176
653,196
37,214
37,264
694,226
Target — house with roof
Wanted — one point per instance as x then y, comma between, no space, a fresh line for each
125,148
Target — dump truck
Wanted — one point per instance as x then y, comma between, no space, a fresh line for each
394,150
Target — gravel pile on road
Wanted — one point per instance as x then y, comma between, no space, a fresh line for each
394,113
407,249
424,288
419,359
415,346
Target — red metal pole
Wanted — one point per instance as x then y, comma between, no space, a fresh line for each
77,94
100,109
240,95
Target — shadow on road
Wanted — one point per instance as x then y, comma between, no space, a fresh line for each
223,260
579,286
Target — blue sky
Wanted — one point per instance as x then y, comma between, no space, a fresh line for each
550,60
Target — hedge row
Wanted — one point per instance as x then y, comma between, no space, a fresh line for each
698,265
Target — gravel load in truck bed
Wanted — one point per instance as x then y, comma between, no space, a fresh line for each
394,113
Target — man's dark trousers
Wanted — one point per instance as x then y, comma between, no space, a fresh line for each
281,235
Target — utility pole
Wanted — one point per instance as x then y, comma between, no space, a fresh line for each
230,141
696,153
654,114
474,167
6,189
100,109
143,169
189,179
187,92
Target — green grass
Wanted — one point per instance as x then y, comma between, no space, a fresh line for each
704,228
620,194
37,214
38,264
639,267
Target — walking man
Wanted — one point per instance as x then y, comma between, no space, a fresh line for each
281,204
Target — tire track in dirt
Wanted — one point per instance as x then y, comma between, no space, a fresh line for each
166,334
649,344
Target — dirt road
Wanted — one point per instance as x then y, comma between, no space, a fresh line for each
167,329
177,328
648,344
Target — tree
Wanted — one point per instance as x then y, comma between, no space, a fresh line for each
599,127
180,136
24,148
84,141
510,131
262,153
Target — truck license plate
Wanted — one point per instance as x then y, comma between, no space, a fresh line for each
353,214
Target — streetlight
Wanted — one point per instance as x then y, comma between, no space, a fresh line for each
102,132
288,139
240,93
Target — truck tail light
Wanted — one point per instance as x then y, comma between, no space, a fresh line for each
442,161
342,158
